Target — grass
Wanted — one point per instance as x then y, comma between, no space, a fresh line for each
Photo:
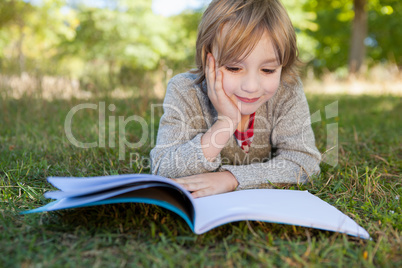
365,185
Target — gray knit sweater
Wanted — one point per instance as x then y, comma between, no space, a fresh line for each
283,148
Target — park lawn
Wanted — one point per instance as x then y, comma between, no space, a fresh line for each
365,185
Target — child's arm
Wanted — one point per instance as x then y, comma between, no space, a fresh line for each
215,138
229,115
186,145
178,151
296,157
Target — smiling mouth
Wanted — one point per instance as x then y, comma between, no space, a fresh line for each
247,100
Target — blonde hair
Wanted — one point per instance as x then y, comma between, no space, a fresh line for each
245,21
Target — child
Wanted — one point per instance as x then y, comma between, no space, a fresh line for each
241,120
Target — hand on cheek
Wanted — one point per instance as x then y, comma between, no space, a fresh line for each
225,105
209,183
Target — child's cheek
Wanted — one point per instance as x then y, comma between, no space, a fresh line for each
229,84
272,85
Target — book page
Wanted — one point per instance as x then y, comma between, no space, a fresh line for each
88,199
278,206
151,189
107,187
75,184
155,194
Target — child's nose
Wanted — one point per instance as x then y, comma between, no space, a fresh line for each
250,83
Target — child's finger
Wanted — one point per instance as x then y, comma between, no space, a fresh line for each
219,90
218,83
191,184
211,75
201,193
211,64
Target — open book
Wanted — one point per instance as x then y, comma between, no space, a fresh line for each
202,214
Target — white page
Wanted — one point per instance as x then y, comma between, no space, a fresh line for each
75,202
278,206
69,184
101,188
71,187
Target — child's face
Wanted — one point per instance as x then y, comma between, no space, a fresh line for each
253,81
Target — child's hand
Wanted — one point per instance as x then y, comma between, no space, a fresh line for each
223,104
209,183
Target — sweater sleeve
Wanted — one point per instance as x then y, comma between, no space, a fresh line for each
178,151
296,157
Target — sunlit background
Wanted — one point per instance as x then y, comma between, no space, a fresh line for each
83,47
175,7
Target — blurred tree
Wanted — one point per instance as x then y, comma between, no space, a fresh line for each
29,34
384,41
184,40
13,14
127,41
333,19
359,34
122,34
303,21
337,46
123,42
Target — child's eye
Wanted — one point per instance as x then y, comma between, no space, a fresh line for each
268,71
232,69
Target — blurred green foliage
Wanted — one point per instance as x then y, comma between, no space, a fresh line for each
124,42
332,34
